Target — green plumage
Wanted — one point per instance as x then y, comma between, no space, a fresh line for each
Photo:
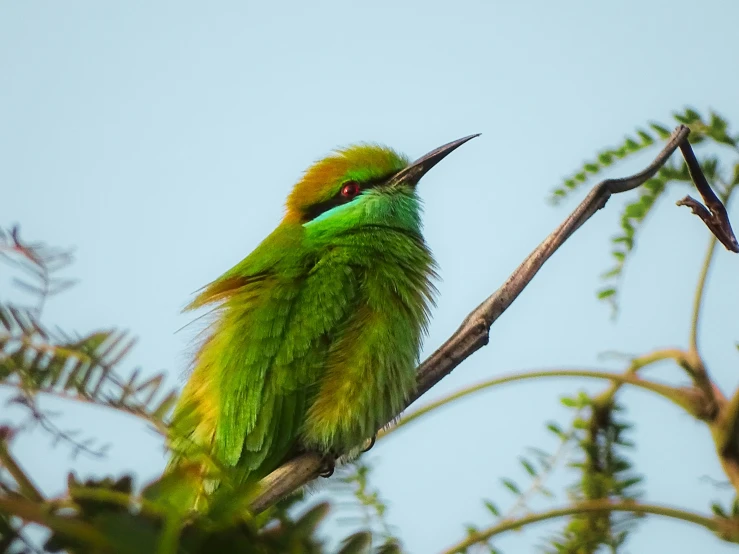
317,333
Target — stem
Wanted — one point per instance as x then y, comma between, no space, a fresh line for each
26,486
38,513
663,390
158,426
640,362
702,278
699,293
170,536
581,508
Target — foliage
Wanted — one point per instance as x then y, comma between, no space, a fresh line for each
110,515
713,129
603,497
37,360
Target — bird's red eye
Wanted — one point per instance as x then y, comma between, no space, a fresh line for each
350,189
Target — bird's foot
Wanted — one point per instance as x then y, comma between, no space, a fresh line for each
329,465
372,442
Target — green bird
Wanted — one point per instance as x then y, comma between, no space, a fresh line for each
316,334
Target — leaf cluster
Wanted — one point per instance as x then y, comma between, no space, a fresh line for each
712,129
605,472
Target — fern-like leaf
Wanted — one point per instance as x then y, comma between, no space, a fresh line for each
713,129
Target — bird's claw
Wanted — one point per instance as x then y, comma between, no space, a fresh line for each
371,443
329,464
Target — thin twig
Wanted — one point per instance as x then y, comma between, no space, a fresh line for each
590,507
136,411
25,485
640,362
675,395
713,214
699,292
717,221
702,279
474,332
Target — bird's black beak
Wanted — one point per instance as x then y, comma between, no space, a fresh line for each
413,173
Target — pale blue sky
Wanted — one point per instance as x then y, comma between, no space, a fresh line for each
160,140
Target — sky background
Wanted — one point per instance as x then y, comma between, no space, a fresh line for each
159,139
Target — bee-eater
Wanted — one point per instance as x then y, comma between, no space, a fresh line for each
316,334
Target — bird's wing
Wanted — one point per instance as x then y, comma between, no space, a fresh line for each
256,373
289,339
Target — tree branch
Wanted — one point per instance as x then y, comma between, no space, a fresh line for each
713,214
595,506
473,334
678,396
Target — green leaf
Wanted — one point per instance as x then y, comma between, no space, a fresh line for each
630,482
626,241
511,486
554,428
646,201
358,543
580,423
631,145
647,140
692,115
627,226
718,510
528,466
546,492
391,546
688,117
605,158
717,130
568,402
661,131
492,508
635,210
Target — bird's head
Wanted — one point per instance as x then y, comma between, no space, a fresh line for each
362,184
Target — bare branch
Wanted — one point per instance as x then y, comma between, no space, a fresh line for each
713,214
474,331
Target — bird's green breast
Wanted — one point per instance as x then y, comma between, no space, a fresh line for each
370,365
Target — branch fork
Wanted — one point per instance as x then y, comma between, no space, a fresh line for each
713,214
